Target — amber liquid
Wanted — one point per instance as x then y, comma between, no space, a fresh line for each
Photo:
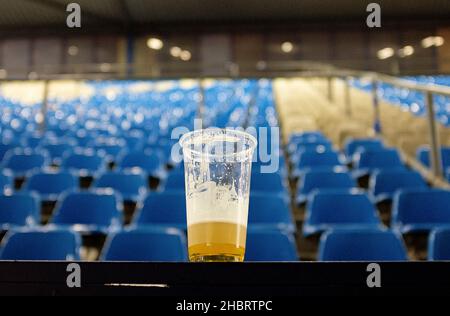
216,242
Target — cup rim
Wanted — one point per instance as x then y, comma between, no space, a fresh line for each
245,153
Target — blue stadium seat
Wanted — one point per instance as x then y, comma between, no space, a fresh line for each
270,212
162,149
166,208
111,149
269,183
420,210
8,136
423,155
52,245
84,163
19,209
333,209
6,181
83,138
270,246
33,140
96,211
58,149
134,142
339,168
296,148
146,244
439,244
384,183
360,144
309,147
368,161
305,138
50,184
305,135
149,163
315,159
57,131
361,245
317,179
5,147
21,162
175,180
314,146
131,185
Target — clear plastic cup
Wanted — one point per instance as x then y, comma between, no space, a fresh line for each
217,166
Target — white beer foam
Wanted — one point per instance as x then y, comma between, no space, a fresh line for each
213,203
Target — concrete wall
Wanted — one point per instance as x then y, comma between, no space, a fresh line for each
211,52
215,53
444,51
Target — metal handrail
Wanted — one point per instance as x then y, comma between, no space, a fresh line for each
429,90
404,83
292,69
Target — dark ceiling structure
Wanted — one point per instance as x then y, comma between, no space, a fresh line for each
139,15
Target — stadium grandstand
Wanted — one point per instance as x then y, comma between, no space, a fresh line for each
350,177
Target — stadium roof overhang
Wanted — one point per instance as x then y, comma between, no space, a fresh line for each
37,16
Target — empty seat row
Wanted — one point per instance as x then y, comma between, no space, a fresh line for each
355,145
323,179
169,208
344,209
378,245
362,245
423,155
168,244
344,223
140,244
421,210
49,185
100,211
270,183
84,162
364,162
19,210
110,148
89,163
296,140
414,210
368,161
318,166
317,159
115,145
383,184
23,161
